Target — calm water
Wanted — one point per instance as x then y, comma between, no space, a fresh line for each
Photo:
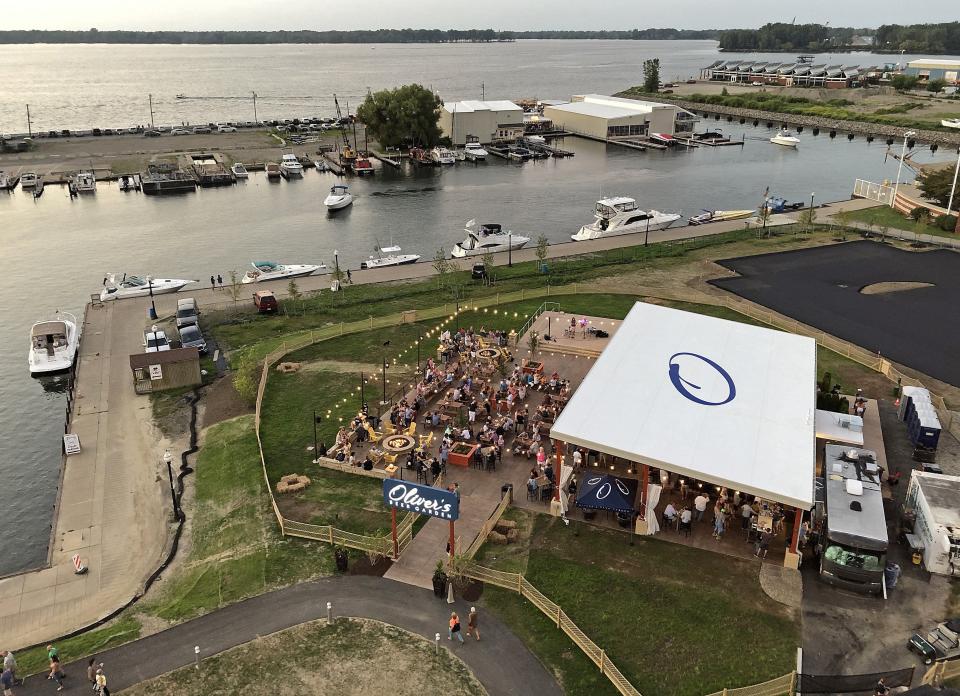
56,250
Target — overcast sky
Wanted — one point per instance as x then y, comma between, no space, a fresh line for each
456,14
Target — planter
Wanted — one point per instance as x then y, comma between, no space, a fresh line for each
533,367
440,585
340,558
461,454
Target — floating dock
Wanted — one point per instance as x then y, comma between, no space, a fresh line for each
210,170
387,160
333,164
160,179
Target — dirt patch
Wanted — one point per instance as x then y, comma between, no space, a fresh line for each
472,592
339,366
222,402
896,286
363,566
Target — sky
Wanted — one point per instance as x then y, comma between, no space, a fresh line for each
456,14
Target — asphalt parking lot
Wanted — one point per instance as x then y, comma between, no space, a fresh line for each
821,287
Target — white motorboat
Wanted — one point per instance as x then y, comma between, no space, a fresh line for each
320,164
53,344
389,256
487,237
950,123
535,139
718,216
663,139
290,166
85,182
135,286
239,171
29,180
340,197
473,152
441,155
271,270
620,215
784,138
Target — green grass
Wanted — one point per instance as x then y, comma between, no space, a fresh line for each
674,619
122,630
297,660
883,215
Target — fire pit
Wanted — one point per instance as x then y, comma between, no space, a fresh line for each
398,444
490,354
461,453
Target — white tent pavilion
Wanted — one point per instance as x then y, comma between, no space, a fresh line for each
719,401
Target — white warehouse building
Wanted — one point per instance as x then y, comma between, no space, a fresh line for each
481,121
598,116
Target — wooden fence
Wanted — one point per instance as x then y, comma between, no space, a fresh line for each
940,672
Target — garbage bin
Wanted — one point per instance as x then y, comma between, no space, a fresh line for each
891,574
152,313
505,489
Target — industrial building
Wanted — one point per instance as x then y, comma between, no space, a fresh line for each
927,69
598,116
481,121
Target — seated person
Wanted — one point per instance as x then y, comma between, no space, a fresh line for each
435,418
367,464
670,512
532,483
322,450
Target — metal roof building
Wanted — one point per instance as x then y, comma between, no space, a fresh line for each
599,116
482,121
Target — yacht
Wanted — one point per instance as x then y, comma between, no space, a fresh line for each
473,152
290,166
441,155
784,138
535,139
271,270
85,182
340,197
53,344
6,181
950,123
389,256
620,215
663,139
273,170
487,237
239,171
135,286
718,216
29,180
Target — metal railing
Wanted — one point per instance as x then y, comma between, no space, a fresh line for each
873,192
941,671
545,307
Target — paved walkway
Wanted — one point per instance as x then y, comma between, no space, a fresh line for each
501,662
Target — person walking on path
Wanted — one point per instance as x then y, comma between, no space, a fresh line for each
213,283
6,681
719,524
55,672
92,673
101,685
220,281
454,627
472,626
10,662
349,277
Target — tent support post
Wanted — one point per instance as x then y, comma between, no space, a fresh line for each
644,482
558,451
795,537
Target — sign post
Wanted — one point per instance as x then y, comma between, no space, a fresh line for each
393,533
423,500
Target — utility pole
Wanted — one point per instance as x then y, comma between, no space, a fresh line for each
903,154
151,110
254,107
29,128
483,92
953,188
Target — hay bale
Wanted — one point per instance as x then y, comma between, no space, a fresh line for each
504,526
292,483
512,536
286,367
497,538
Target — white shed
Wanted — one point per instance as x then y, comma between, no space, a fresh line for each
935,499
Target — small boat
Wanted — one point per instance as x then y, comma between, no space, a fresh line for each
460,155
85,182
487,237
38,189
239,171
53,344
339,197
320,164
7,182
441,155
135,286
785,139
474,153
273,170
718,216
950,123
535,139
620,215
663,139
290,167
389,256
362,166
422,157
29,180
181,96
271,270
128,182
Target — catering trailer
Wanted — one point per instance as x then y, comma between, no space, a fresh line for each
853,544
933,500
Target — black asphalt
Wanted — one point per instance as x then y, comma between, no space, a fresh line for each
821,287
500,661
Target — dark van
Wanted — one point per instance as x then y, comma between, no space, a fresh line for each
265,302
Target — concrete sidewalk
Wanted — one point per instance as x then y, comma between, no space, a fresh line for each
502,663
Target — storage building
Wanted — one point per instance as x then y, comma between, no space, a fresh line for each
934,500
481,121
927,69
168,369
598,116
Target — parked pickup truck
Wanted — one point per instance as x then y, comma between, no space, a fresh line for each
942,643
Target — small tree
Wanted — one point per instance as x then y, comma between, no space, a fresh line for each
235,287
542,244
293,290
441,265
883,231
651,75
245,378
936,185
807,218
533,342
488,267
903,83
843,220
936,86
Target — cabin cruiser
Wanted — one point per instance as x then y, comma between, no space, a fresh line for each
53,344
784,138
620,215
487,237
441,155
535,139
718,216
273,170
239,171
340,197
473,152
29,180
135,286
950,123
663,139
389,256
85,182
290,166
271,270
320,164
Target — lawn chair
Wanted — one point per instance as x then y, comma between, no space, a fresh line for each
425,440
413,428
375,437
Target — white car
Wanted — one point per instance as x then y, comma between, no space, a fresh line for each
155,341
757,83
179,131
226,129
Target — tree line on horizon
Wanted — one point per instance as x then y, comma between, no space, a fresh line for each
941,38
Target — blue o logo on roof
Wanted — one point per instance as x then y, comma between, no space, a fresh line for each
700,389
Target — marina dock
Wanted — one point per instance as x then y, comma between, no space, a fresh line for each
164,178
395,163
333,164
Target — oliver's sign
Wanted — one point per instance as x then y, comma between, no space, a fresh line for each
424,500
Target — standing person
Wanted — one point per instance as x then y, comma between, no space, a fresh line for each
6,681
700,503
92,673
472,624
10,662
213,283
55,672
719,523
349,277
454,627
102,682
220,281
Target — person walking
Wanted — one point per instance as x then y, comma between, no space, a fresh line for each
220,281
349,277
472,623
213,283
700,504
92,673
10,662
55,672
102,682
454,627
6,681
719,524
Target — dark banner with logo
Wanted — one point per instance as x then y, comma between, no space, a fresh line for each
425,500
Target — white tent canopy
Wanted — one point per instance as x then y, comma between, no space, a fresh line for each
716,400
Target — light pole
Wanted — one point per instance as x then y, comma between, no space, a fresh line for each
255,108
316,450
953,188
168,460
510,248
811,201
153,306
151,110
336,267
646,235
383,366
903,153
419,338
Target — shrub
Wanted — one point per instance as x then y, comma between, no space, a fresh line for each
903,82
947,223
919,213
936,85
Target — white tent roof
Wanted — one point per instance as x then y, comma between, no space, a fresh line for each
658,395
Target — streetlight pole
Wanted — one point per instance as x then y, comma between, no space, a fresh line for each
510,248
255,108
383,367
336,268
419,338
316,449
153,306
29,127
811,201
903,153
646,235
953,188
362,398
151,110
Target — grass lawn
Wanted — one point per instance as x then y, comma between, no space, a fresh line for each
118,632
675,620
882,215
299,660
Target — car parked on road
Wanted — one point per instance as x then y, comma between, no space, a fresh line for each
155,341
151,134
226,129
187,312
179,131
202,130
265,302
192,337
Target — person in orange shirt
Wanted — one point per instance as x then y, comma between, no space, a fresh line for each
454,627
